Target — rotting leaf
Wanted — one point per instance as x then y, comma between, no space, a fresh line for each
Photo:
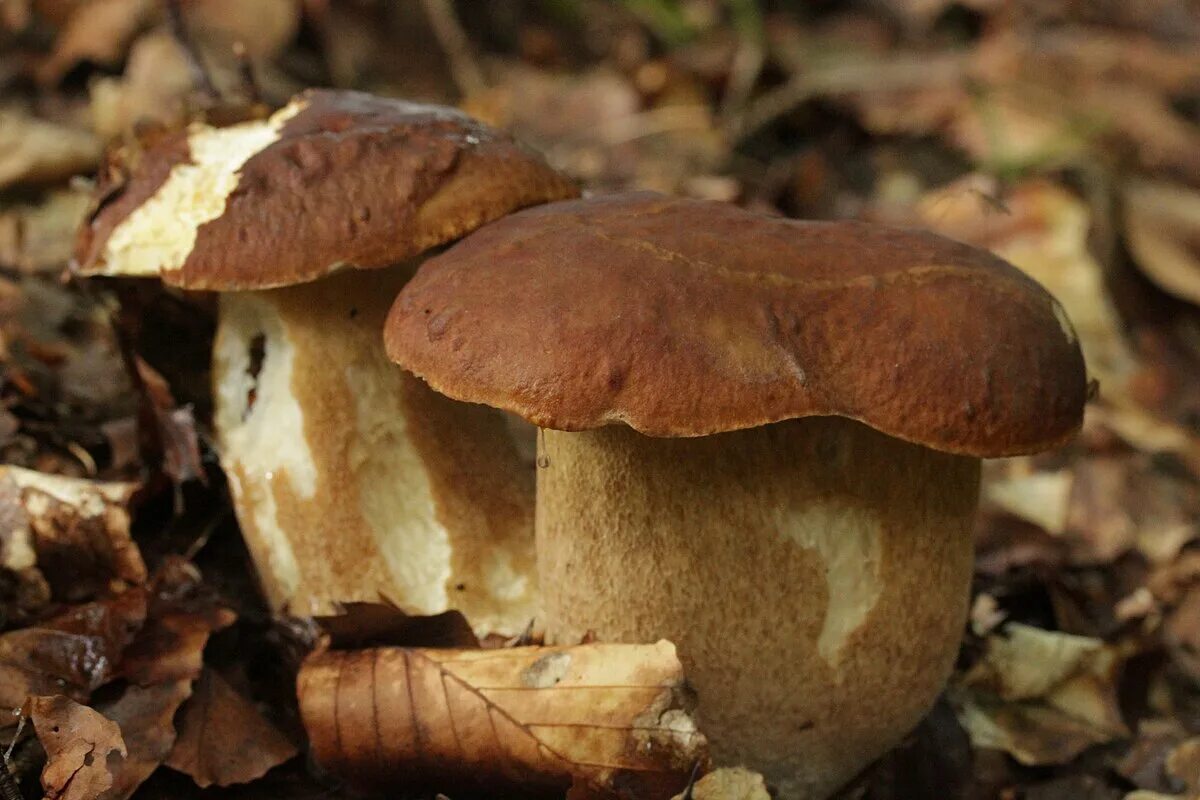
83,748
74,531
615,718
223,739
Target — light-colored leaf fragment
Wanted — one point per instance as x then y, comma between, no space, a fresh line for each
729,783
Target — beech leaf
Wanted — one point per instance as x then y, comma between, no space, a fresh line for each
614,717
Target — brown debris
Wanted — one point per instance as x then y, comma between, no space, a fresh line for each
613,718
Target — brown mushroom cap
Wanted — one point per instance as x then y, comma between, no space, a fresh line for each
687,318
333,179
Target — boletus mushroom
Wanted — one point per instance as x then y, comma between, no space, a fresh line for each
351,480
762,442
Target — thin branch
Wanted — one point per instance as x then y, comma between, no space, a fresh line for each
179,31
455,44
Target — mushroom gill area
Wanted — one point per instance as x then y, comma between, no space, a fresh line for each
351,479
814,575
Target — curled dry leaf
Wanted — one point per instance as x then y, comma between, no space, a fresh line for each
223,739
83,748
36,151
1162,223
74,531
1042,696
729,783
613,719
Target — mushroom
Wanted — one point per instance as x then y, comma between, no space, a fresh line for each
762,442
351,480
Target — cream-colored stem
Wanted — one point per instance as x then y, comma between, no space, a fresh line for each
814,575
352,479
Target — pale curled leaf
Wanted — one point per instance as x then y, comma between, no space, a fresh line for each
223,739
83,747
608,715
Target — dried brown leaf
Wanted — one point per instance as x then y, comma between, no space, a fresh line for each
146,719
74,531
223,739
614,718
83,748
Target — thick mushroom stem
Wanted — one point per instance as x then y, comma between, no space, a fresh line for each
814,575
352,480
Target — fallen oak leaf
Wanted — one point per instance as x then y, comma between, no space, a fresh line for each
82,748
611,718
223,739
